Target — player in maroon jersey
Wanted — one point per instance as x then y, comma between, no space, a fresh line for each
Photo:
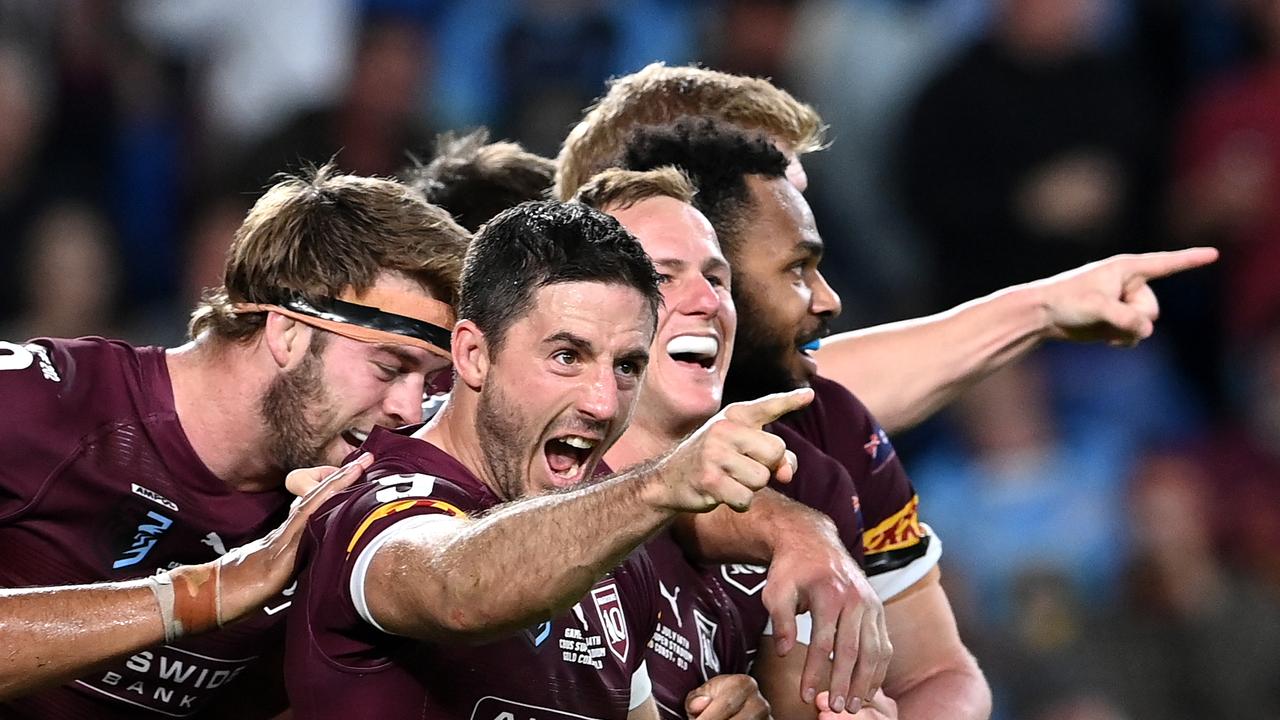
762,224
471,180
408,573
120,462
54,634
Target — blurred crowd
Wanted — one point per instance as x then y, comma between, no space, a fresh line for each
1111,517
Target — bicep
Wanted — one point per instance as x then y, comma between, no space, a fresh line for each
380,585
925,639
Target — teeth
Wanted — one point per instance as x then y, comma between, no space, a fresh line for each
698,345
359,434
580,443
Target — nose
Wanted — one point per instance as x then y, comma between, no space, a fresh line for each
598,398
825,300
699,298
403,404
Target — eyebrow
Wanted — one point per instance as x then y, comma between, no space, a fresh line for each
716,263
407,358
810,248
564,336
673,263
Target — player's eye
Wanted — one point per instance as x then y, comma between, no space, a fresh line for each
664,278
566,357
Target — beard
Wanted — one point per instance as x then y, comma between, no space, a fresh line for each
502,437
761,355
293,439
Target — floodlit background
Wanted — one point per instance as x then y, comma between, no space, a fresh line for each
1111,518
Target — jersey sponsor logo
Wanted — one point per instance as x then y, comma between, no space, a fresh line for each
707,644
400,506
167,680
538,634
878,448
153,496
496,708
146,537
900,530
214,541
609,608
671,598
750,579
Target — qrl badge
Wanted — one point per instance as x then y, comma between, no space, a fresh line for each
609,607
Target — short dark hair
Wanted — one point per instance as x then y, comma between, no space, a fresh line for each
541,243
475,179
717,157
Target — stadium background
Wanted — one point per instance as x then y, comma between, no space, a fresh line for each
1111,518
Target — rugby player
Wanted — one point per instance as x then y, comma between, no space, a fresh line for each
813,566
120,462
904,371
705,639
53,634
420,598
767,234
475,179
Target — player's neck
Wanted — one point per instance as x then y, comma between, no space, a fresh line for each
216,393
453,430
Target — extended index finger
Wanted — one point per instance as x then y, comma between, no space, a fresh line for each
1149,266
762,411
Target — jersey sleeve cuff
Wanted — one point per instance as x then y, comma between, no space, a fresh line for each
365,558
641,686
889,584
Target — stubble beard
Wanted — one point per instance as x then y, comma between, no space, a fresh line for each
502,436
293,439
758,367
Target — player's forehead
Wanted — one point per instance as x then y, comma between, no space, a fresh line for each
672,232
607,316
782,213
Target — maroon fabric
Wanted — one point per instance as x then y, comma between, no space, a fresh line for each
339,666
99,483
847,469
699,632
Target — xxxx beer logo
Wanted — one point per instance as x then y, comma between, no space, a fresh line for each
900,530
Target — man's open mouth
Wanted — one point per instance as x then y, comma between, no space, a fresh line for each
567,456
694,350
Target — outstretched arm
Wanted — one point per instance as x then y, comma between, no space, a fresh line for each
906,371
443,578
51,635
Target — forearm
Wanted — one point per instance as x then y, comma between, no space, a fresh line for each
752,536
906,371
510,569
51,635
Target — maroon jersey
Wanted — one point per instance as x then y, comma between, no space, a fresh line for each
847,469
699,632
98,483
338,664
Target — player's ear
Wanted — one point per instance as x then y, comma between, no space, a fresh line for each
287,340
470,351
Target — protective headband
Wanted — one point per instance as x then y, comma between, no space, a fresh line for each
375,316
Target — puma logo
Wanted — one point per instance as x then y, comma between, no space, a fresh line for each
215,542
671,598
